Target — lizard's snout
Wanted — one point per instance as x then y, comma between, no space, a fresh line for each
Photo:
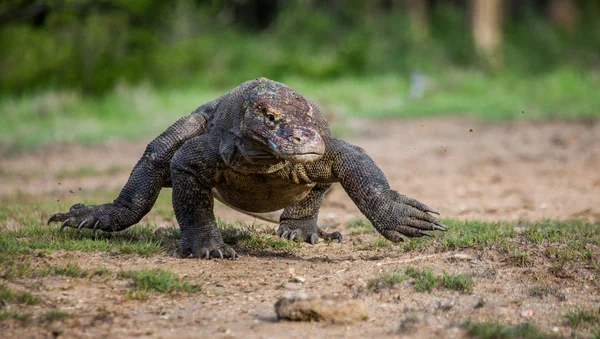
303,144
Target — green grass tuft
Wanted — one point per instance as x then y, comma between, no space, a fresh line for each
7,295
360,226
458,282
386,280
579,317
55,315
102,272
423,280
255,237
494,330
69,270
149,281
22,317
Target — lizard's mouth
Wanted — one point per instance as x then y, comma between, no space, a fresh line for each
309,156
301,145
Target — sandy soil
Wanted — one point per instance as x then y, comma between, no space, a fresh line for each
463,168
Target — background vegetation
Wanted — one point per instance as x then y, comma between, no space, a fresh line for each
99,65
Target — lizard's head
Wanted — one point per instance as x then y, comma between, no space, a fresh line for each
281,120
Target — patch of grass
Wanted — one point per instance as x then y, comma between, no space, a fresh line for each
23,317
425,280
35,235
519,258
458,282
563,241
254,237
7,295
380,242
579,317
28,298
495,330
360,226
40,118
68,270
102,272
386,280
11,269
54,315
148,281
539,291
87,171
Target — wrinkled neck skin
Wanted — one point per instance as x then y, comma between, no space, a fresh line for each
248,156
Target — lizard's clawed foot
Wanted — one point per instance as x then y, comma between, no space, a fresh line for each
395,215
211,250
307,231
80,216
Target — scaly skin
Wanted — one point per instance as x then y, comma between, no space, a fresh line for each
261,147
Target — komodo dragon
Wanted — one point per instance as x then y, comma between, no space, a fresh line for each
259,148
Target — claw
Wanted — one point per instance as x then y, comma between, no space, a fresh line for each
80,226
426,234
293,235
285,234
207,254
440,227
95,229
314,238
433,211
64,224
53,218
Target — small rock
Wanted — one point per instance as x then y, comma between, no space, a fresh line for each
480,303
298,279
301,307
527,314
555,329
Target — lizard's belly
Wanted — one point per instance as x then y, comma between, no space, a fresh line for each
260,192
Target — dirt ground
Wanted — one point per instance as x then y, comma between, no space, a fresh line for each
464,168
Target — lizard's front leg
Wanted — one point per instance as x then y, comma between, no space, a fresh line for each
147,178
393,214
192,174
299,222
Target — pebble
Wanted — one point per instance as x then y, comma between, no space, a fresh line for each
298,279
527,314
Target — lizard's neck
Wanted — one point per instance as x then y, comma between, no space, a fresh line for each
247,156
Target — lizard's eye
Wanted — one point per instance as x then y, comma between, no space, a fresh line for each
271,117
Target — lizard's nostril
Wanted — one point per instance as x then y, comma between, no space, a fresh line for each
297,139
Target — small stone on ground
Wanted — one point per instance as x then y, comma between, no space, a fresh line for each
337,310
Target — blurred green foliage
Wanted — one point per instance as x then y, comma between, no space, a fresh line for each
94,45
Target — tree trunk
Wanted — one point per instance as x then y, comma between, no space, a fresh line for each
563,14
417,14
487,29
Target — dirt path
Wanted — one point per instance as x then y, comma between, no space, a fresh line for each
465,169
